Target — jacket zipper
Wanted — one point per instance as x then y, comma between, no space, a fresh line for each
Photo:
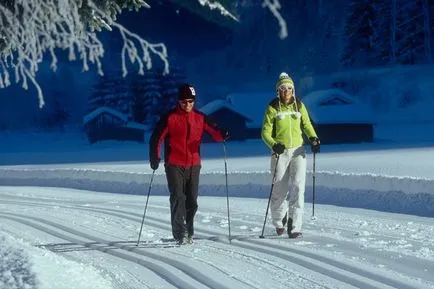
186,141
290,127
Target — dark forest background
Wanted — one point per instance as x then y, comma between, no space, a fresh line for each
219,56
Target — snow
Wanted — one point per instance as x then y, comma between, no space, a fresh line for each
137,125
398,94
92,115
70,215
24,265
252,105
215,105
350,110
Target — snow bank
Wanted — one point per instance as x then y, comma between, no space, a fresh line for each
20,263
15,267
409,195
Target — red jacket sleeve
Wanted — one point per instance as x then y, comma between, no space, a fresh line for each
212,129
157,137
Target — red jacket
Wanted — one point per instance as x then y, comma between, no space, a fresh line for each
182,132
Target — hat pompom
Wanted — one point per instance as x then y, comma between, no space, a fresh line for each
283,75
284,79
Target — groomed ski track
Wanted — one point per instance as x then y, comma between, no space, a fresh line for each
339,250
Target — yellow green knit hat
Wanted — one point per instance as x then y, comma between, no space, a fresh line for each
284,79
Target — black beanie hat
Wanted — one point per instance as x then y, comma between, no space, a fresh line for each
186,91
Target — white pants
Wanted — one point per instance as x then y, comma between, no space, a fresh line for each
290,173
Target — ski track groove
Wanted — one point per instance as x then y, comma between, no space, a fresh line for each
271,264
328,261
257,245
162,208
339,272
115,282
162,226
159,270
159,226
219,269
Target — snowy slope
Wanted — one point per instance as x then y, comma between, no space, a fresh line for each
55,236
348,175
343,248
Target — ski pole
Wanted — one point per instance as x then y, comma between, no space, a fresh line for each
146,206
269,197
313,188
227,190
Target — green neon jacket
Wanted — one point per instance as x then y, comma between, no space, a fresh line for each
285,124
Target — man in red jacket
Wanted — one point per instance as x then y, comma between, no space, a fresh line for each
182,130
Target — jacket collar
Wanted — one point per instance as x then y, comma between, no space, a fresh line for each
179,110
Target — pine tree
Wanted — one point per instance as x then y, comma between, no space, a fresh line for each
138,108
252,30
428,29
384,37
359,33
410,41
169,89
323,40
430,18
112,90
401,31
56,114
146,95
60,114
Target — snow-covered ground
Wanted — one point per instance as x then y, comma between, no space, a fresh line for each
70,215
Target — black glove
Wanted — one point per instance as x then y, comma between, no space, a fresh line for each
314,144
225,133
155,163
278,148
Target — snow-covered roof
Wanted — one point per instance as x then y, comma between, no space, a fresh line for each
336,106
252,105
137,125
215,105
92,115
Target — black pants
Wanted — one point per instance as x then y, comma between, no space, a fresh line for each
183,185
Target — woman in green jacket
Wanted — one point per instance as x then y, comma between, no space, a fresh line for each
286,118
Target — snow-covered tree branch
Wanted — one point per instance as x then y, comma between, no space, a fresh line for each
31,29
216,5
274,6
